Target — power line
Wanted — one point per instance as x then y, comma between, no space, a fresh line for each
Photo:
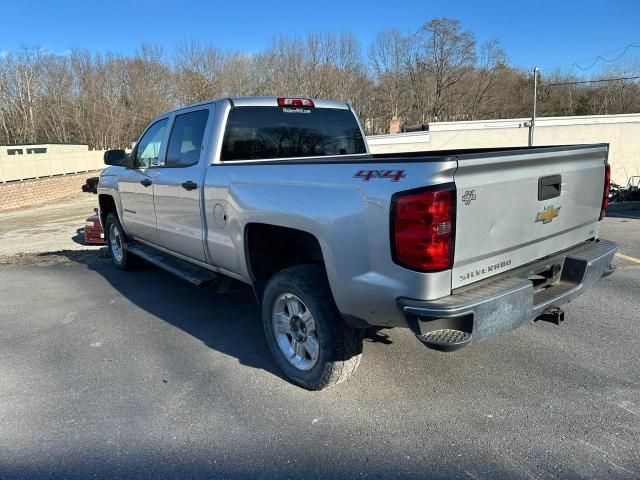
601,57
597,58
591,81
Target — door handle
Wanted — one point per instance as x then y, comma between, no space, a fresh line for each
146,182
189,185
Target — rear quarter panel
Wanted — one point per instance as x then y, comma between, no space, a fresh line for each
348,215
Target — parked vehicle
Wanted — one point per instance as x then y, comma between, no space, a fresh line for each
628,193
282,194
91,185
632,192
616,193
93,232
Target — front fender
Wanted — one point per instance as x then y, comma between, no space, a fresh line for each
108,185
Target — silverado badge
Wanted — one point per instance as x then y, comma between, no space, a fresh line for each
548,214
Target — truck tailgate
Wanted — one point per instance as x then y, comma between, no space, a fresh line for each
515,207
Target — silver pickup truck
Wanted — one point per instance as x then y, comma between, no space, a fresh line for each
283,194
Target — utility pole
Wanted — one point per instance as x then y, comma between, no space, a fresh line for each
532,125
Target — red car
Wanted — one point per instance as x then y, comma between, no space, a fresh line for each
93,232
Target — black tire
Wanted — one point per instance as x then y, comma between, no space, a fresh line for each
126,261
340,346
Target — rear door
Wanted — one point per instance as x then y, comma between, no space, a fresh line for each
178,186
136,183
519,206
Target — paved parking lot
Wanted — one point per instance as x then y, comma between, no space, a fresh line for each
107,374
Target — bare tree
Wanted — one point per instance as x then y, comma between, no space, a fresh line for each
446,53
486,76
435,74
389,55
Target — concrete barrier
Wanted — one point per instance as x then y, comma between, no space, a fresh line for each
40,165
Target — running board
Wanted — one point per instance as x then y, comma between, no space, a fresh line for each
193,274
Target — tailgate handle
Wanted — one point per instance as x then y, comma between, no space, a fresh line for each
549,187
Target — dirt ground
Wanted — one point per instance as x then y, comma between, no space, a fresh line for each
48,234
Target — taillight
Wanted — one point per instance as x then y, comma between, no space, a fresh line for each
423,224
295,102
605,192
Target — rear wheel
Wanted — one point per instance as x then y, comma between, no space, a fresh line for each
309,340
117,244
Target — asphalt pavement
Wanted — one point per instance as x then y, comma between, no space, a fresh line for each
110,374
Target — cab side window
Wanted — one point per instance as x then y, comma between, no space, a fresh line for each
149,146
185,140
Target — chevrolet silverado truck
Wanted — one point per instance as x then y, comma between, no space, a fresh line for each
282,194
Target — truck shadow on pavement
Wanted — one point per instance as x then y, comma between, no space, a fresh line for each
229,322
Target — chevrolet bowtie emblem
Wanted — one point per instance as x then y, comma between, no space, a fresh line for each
548,214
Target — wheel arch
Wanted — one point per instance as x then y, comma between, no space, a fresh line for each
271,248
107,205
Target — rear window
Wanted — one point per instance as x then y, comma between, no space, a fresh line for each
261,133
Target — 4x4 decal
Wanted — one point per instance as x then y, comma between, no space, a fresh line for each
393,175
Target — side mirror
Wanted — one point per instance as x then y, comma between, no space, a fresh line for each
115,157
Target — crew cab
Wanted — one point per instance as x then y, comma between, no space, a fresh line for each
283,194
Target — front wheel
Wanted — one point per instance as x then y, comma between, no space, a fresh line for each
308,338
117,244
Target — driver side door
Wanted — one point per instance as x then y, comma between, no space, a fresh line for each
136,184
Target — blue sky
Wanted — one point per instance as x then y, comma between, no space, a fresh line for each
544,33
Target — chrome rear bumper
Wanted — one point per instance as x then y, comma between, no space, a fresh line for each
511,301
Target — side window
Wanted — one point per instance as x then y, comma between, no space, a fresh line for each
185,141
148,148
